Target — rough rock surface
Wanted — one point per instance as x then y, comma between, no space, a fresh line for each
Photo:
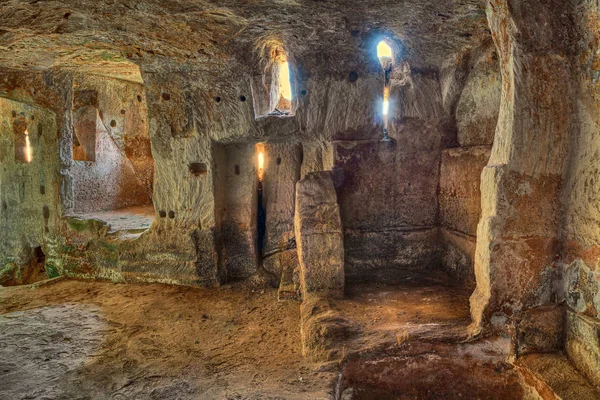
319,236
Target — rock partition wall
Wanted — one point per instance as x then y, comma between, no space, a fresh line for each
517,236
579,267
388,190
319,237
28,191
475,105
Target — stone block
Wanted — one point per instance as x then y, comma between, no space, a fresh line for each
583,344
319,235
541,330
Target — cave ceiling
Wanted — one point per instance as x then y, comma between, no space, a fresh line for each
115,37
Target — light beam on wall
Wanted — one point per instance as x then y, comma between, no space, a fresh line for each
285,88
384,51
28,149
261,165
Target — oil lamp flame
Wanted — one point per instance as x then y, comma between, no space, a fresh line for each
261,165
28,149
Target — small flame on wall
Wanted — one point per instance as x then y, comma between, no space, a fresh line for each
261,165
28,149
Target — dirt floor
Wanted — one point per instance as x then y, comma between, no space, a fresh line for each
94,340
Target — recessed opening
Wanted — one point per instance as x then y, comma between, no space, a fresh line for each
218,99
162,214
139,98
353,76
22,142
172,214
114,184
166,96
273,90
384,51
198,168
242,98
236,169
385,55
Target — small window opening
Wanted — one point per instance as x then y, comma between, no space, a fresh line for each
385,55
23,148
273,89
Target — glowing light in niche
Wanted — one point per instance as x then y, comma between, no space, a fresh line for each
28,149
261,165
285,88
384,50
386,106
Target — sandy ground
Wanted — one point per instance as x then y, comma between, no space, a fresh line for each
95,340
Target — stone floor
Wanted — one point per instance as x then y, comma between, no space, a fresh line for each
136,218
95,340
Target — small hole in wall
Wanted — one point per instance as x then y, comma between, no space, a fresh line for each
40,129
166,96
303,92
171,214
139,98
355,33
14,114
162,213
278,160
113,123
353,77
218,99
237,169
32,117
67,15
4,206
198,168
122,112
242,98
42,189
46,212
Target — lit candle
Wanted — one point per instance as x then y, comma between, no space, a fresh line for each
261,164
28,149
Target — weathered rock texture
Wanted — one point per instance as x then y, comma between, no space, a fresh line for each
319,236
28,191
491,174
517,232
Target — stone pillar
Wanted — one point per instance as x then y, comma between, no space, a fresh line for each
319,236
517,233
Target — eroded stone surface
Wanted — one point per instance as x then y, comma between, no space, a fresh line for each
319,236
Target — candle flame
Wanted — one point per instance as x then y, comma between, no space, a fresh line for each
261,165
28,149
